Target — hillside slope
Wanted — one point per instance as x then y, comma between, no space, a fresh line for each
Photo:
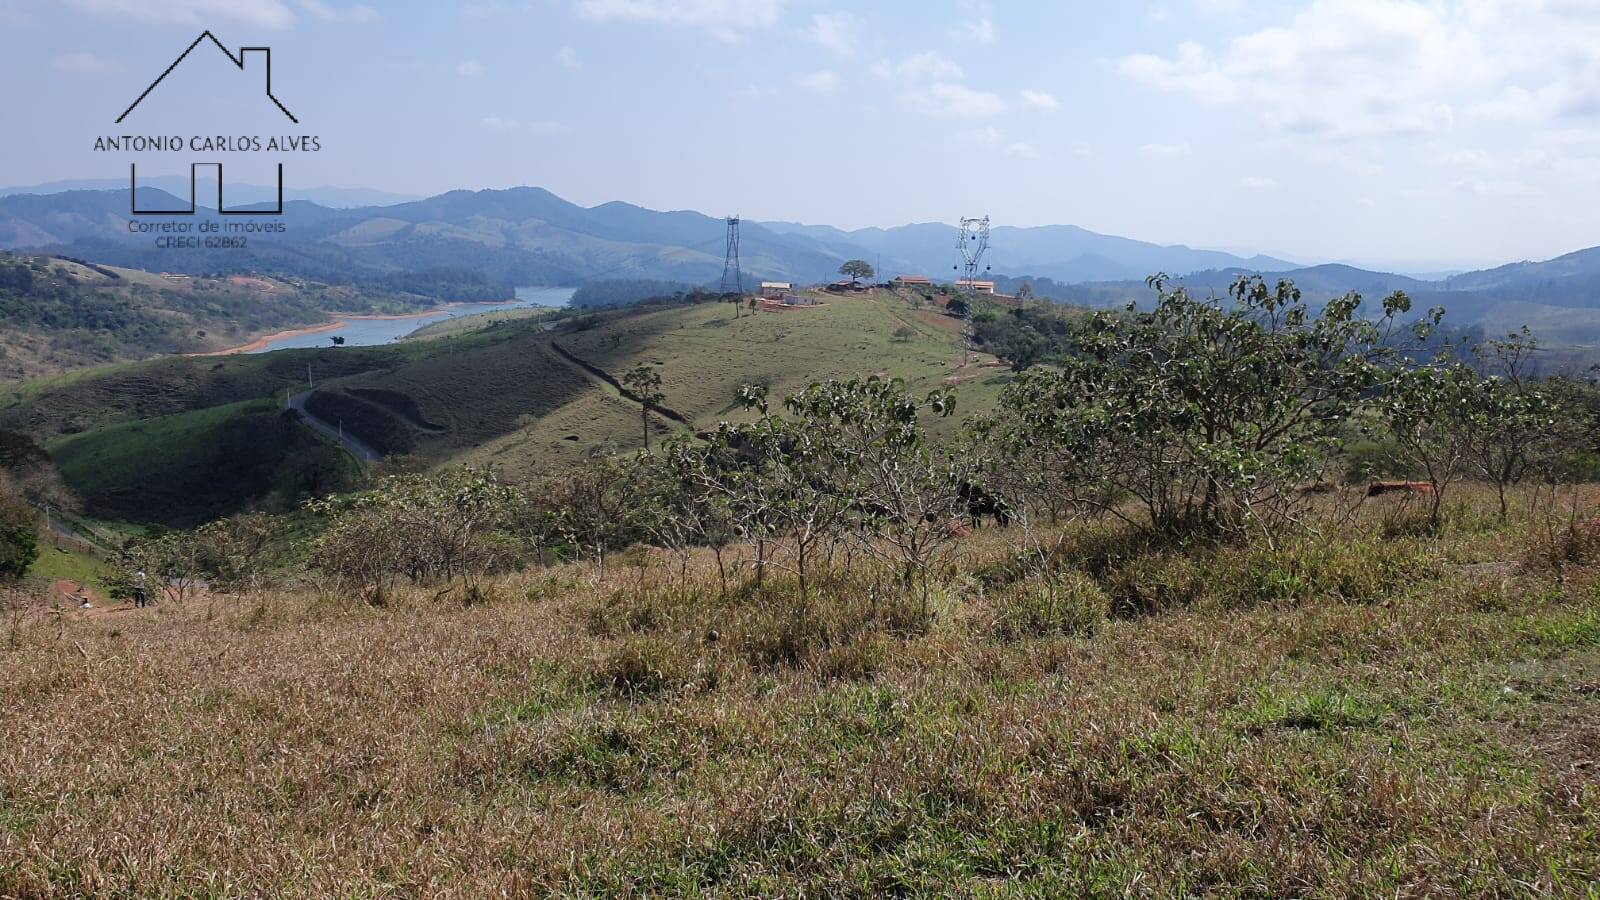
541,399
58,314
514,394
1355,715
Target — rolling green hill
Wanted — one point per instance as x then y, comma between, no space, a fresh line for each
544,398
524,395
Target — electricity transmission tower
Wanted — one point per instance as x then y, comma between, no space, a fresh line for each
973,243
732,279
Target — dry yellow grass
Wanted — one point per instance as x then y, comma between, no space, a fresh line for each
1343,733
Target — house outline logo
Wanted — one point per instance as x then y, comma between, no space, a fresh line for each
238,61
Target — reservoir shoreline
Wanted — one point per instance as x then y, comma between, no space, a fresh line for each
341,320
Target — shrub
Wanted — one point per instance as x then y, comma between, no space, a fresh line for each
1236,577
1068,603
783,635
19,535
643,667
1314,710
1560,546
1352,572
857,660
1150,584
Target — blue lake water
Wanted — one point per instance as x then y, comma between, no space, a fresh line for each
367,332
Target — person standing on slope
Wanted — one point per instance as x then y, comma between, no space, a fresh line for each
141,596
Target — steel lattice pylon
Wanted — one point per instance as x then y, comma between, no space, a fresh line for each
973,244
732,278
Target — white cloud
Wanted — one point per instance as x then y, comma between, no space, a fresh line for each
568,58
978,31
469,68
726,20
359,13
823,82
1258,183
84,63
1164,151
753,92
1040,100
994,138
497,123
954,101
1376,68
839,32
988,136
206,13
923,66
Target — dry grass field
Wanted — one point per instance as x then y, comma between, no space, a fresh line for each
1369,711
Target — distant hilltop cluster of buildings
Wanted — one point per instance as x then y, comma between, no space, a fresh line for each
784,294
962,284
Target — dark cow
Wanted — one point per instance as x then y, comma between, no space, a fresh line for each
981,502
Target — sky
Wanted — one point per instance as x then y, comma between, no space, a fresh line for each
1408,134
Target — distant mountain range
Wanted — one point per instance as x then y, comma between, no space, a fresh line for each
241,194
1064,253
532,233
529,236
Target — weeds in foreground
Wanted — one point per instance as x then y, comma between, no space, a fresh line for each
1321,718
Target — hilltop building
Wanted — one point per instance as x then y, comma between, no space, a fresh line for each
772,290
977,287
918,281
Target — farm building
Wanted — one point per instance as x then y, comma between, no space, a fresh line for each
981,287
913,281
775,289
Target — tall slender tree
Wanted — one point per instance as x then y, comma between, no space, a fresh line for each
644,382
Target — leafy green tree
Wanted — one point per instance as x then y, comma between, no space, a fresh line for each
1426,411
687,502
958,306
1208,415
169,559
903,495
19,532
446,528
857,270
235,553
1514,424
644,383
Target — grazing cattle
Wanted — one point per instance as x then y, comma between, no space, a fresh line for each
1379,488
981,502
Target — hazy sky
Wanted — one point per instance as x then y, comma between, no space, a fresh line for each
1447,132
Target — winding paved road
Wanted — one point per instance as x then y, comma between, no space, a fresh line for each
357,447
